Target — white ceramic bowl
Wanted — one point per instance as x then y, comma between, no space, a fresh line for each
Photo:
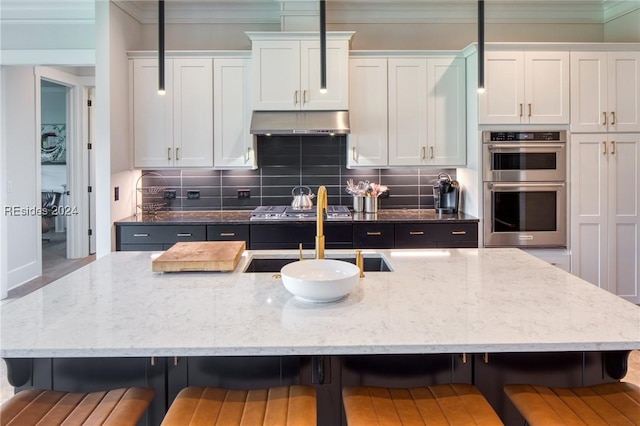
320,280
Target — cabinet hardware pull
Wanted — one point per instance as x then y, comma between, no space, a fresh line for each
227,234
304,97
424,152
458,232
295,97
464,357
169,154
183,234
153,361
416,232
431,152
177,154
613,118
140,235
604,147
175,361
529,110
353,153
248,155
604,118
520,110
486,358
373,234
613,147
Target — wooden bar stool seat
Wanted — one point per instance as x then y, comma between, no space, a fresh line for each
120,407
280,406
604,404
449,404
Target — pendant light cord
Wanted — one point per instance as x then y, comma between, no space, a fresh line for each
161,87
323,47
480,46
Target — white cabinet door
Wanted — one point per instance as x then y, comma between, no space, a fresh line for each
193,112
546,87
623,216
588,92
624,91
605,91
276,75
233,144
337,95
152,114
407,111
605,220
503,99
446,111
367,142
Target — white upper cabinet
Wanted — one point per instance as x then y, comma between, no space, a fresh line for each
286,72
605,91
525,88
234,146
175,129
367,142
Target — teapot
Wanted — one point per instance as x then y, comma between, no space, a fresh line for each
302,200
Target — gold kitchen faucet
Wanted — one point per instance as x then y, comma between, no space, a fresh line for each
322,207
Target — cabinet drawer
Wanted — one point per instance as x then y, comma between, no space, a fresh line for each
160,234
228,233
373,235
414,235
456,235
290,235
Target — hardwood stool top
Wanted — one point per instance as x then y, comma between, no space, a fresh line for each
451,404
119,407
280,406
605,404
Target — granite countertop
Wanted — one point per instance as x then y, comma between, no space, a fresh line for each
243,216
435,301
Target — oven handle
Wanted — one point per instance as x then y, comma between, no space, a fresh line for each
526,185
494,147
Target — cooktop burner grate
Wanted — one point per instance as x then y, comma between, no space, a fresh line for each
289,213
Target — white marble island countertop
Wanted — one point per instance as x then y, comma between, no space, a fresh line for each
435,301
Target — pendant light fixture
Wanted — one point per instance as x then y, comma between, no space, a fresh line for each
161,90
323,47
480,46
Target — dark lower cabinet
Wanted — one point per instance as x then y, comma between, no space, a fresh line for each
268,236
156,237
436,235
373,235
228,233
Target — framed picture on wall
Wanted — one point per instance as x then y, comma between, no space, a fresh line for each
53,144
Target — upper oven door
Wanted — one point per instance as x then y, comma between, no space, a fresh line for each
524,162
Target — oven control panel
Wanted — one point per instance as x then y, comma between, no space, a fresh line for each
549,136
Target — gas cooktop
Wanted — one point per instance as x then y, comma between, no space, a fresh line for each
289,213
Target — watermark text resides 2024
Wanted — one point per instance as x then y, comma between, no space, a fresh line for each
40,211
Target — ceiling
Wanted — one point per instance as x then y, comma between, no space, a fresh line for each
381,11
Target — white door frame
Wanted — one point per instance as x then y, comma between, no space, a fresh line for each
77,154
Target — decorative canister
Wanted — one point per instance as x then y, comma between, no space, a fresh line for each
371,204
358,204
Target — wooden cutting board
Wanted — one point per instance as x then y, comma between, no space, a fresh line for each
200,256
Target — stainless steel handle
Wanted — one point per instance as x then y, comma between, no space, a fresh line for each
304,97
613,147
613,118
247,155
227,234
521,110
494,147
295,97
526,185
169,154
353,153
424,152
529,110
604,147
183,234
431,152
373,234
140,235
153,361
604,118
177,154
458,232
416,232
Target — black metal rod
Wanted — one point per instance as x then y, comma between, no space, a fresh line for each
160,45
323,45
480,44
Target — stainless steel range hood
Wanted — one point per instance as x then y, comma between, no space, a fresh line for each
300,123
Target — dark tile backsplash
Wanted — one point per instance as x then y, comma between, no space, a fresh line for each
283,163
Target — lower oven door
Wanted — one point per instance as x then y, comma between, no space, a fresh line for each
525,214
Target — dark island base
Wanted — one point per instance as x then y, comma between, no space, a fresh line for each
329,374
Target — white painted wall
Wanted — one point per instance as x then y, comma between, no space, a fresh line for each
623,29
20,145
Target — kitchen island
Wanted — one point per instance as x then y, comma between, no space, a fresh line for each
436,307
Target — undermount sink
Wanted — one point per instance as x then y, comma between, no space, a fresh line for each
320,280
372,263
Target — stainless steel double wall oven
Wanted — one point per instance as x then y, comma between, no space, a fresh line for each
525,192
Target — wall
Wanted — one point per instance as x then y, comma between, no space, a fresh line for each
20,144
623,29
286,162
